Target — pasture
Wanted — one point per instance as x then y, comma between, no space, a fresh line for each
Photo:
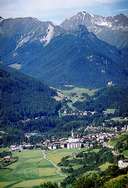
76,94
33,168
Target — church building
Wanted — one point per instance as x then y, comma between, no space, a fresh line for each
73,142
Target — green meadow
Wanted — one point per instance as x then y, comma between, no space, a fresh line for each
33,168
77,93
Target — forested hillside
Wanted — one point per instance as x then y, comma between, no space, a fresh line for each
24,97
113,97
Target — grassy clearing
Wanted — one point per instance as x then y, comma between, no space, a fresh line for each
119,119
118,182
112,142
77,93
4,149
57,155
125,152
119,138
104,166
110,111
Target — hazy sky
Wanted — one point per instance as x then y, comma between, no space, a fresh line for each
58,10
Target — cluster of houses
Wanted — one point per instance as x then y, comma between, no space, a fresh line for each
88,141
70,143
21,147
98,137
78,113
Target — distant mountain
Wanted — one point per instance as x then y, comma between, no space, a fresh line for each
23,39
15,34
23,97
78,58
113,30
59,55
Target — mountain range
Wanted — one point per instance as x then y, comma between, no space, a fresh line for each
111,29
81,51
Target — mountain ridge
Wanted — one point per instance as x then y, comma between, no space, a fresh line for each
58,56
105,28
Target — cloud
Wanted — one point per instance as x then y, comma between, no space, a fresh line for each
122,10
108,1
53,9
33,5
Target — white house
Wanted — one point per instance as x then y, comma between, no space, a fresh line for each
123,163
16,148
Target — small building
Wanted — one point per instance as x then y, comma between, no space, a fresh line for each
7,158
56,145
16,148
110,83
28,146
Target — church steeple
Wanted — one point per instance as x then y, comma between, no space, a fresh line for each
72,133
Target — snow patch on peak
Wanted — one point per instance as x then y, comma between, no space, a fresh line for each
84,13
14,54
92,15
1,19
90,58
104,23
49,35
16,66
103,71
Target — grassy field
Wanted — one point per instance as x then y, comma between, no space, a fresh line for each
119,138
4,149
77,94
33,168
104,166
125,152
119,119
57,155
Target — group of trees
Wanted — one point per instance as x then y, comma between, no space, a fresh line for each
112,178
23,98
88,161
89,174
121,143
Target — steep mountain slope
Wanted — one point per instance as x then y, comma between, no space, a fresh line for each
15,34
24,97
113,30
80,59
60,57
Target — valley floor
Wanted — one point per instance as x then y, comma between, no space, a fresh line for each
33,168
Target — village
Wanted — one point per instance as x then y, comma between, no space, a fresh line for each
98,136
89,141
